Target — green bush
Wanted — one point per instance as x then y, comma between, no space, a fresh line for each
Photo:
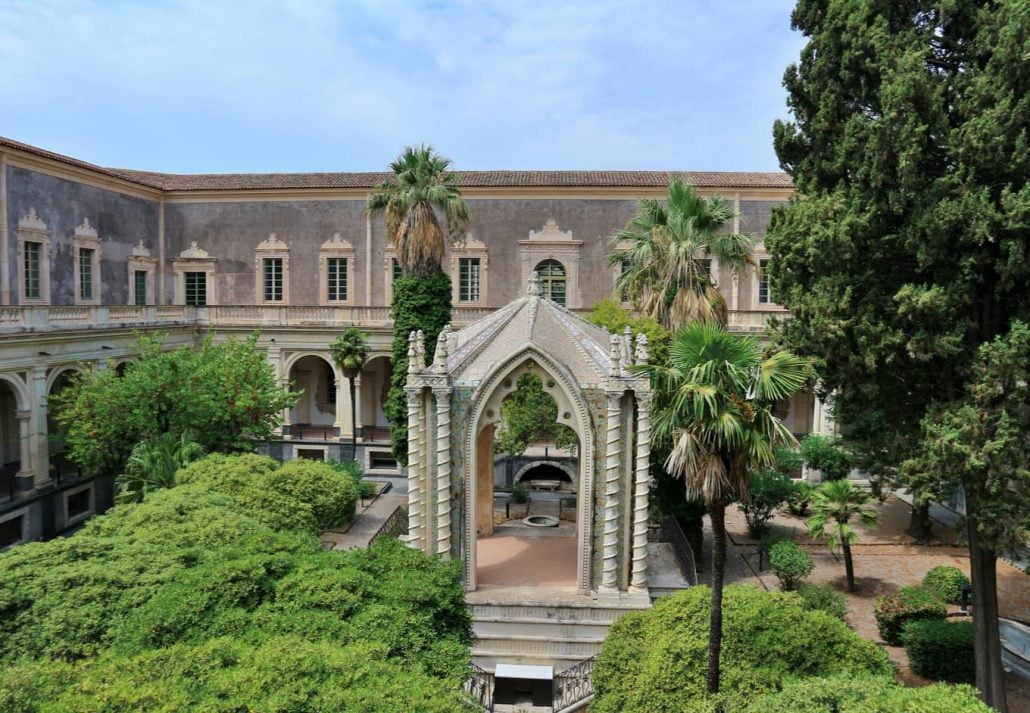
656,660
800,498
946,583
791,563
941,650
865,694
519,493
332,495
766,492
366,488
828,455
893,611
824,598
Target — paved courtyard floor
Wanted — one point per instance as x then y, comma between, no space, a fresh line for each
516,555
886,559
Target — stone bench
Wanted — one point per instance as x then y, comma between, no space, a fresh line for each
544,484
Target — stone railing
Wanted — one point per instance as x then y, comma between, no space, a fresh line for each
21,318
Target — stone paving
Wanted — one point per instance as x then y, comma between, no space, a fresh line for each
358,533
886,559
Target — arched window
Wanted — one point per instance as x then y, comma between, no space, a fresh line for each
552,280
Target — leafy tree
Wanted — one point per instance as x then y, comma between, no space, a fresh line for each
226,394
350,352
530,415
420,189
834,505
766,491
906,249
153,464
826,454
716,401
612,316
664,273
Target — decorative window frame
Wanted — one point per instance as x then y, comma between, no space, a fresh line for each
475,249
140,261
89,512
271,248
194,259
23,513
298,447
335,247
32,229
552,243
86,237
761,254
389,255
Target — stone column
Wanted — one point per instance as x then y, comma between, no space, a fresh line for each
638,579
416,517
41,447
341,405
25,477
443,472
610,529
357,409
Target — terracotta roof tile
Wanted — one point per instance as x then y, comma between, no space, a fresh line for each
466,179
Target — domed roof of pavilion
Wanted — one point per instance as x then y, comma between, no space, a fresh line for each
534,323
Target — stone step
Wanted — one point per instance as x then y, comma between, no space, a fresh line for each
602,614
517,645
555,628
488,660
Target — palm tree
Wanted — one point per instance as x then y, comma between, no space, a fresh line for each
715,400
154,462
350,352
833,506
420,187
668,247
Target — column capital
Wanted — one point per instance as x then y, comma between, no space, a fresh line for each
23,415
441,392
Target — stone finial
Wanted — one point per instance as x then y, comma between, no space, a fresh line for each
533,290
412,354
194,252
337,243
140,250
641,353
614,353
85,230
273,244
626,349
420,349
31,221
440,357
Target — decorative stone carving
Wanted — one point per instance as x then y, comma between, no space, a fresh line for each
31,221
642,355
551,231
626,350
440,356
333,243
140,250
194,253
273,244
533,288
614,354
85,230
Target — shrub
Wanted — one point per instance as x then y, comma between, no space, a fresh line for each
366,488
332,495
520,493
941,650
893,611
946,583
656,660
828,455
767,491
824,598
800,498
790,563
865,694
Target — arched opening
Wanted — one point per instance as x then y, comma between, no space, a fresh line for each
504,550
375,386
552,280
10,441
61,468
545,476
314,415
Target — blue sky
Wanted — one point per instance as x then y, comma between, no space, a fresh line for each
196,86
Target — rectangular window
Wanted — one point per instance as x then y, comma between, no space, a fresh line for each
81,503
337,267
623,268
196,289
86,273
468,279
11,531
273,278
396,269
139,287
33,255
764,293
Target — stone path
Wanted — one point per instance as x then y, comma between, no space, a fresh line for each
516,557
886,559
360,531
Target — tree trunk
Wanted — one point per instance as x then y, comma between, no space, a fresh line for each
919,526
718,515
849,567
990,678
353,421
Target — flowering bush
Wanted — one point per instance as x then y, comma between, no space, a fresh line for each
893,611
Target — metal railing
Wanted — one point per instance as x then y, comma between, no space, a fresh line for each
394,526
574,684
479,686
672,533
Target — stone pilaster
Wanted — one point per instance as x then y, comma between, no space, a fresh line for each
610,528
41,445
416,496
341,405
638,577
357,409
443,472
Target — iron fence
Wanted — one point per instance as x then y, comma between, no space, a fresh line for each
394,526
480,687
574,684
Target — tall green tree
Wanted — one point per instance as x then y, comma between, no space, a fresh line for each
908,245
350,352
669,247
834,505
718,393
418,195
530,415
153,464
225,393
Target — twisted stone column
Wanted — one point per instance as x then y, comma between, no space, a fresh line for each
416,517
638,580
610,530
443,472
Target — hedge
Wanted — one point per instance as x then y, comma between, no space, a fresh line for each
946,583
656,660
893,611
864,694
941,650
824,598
